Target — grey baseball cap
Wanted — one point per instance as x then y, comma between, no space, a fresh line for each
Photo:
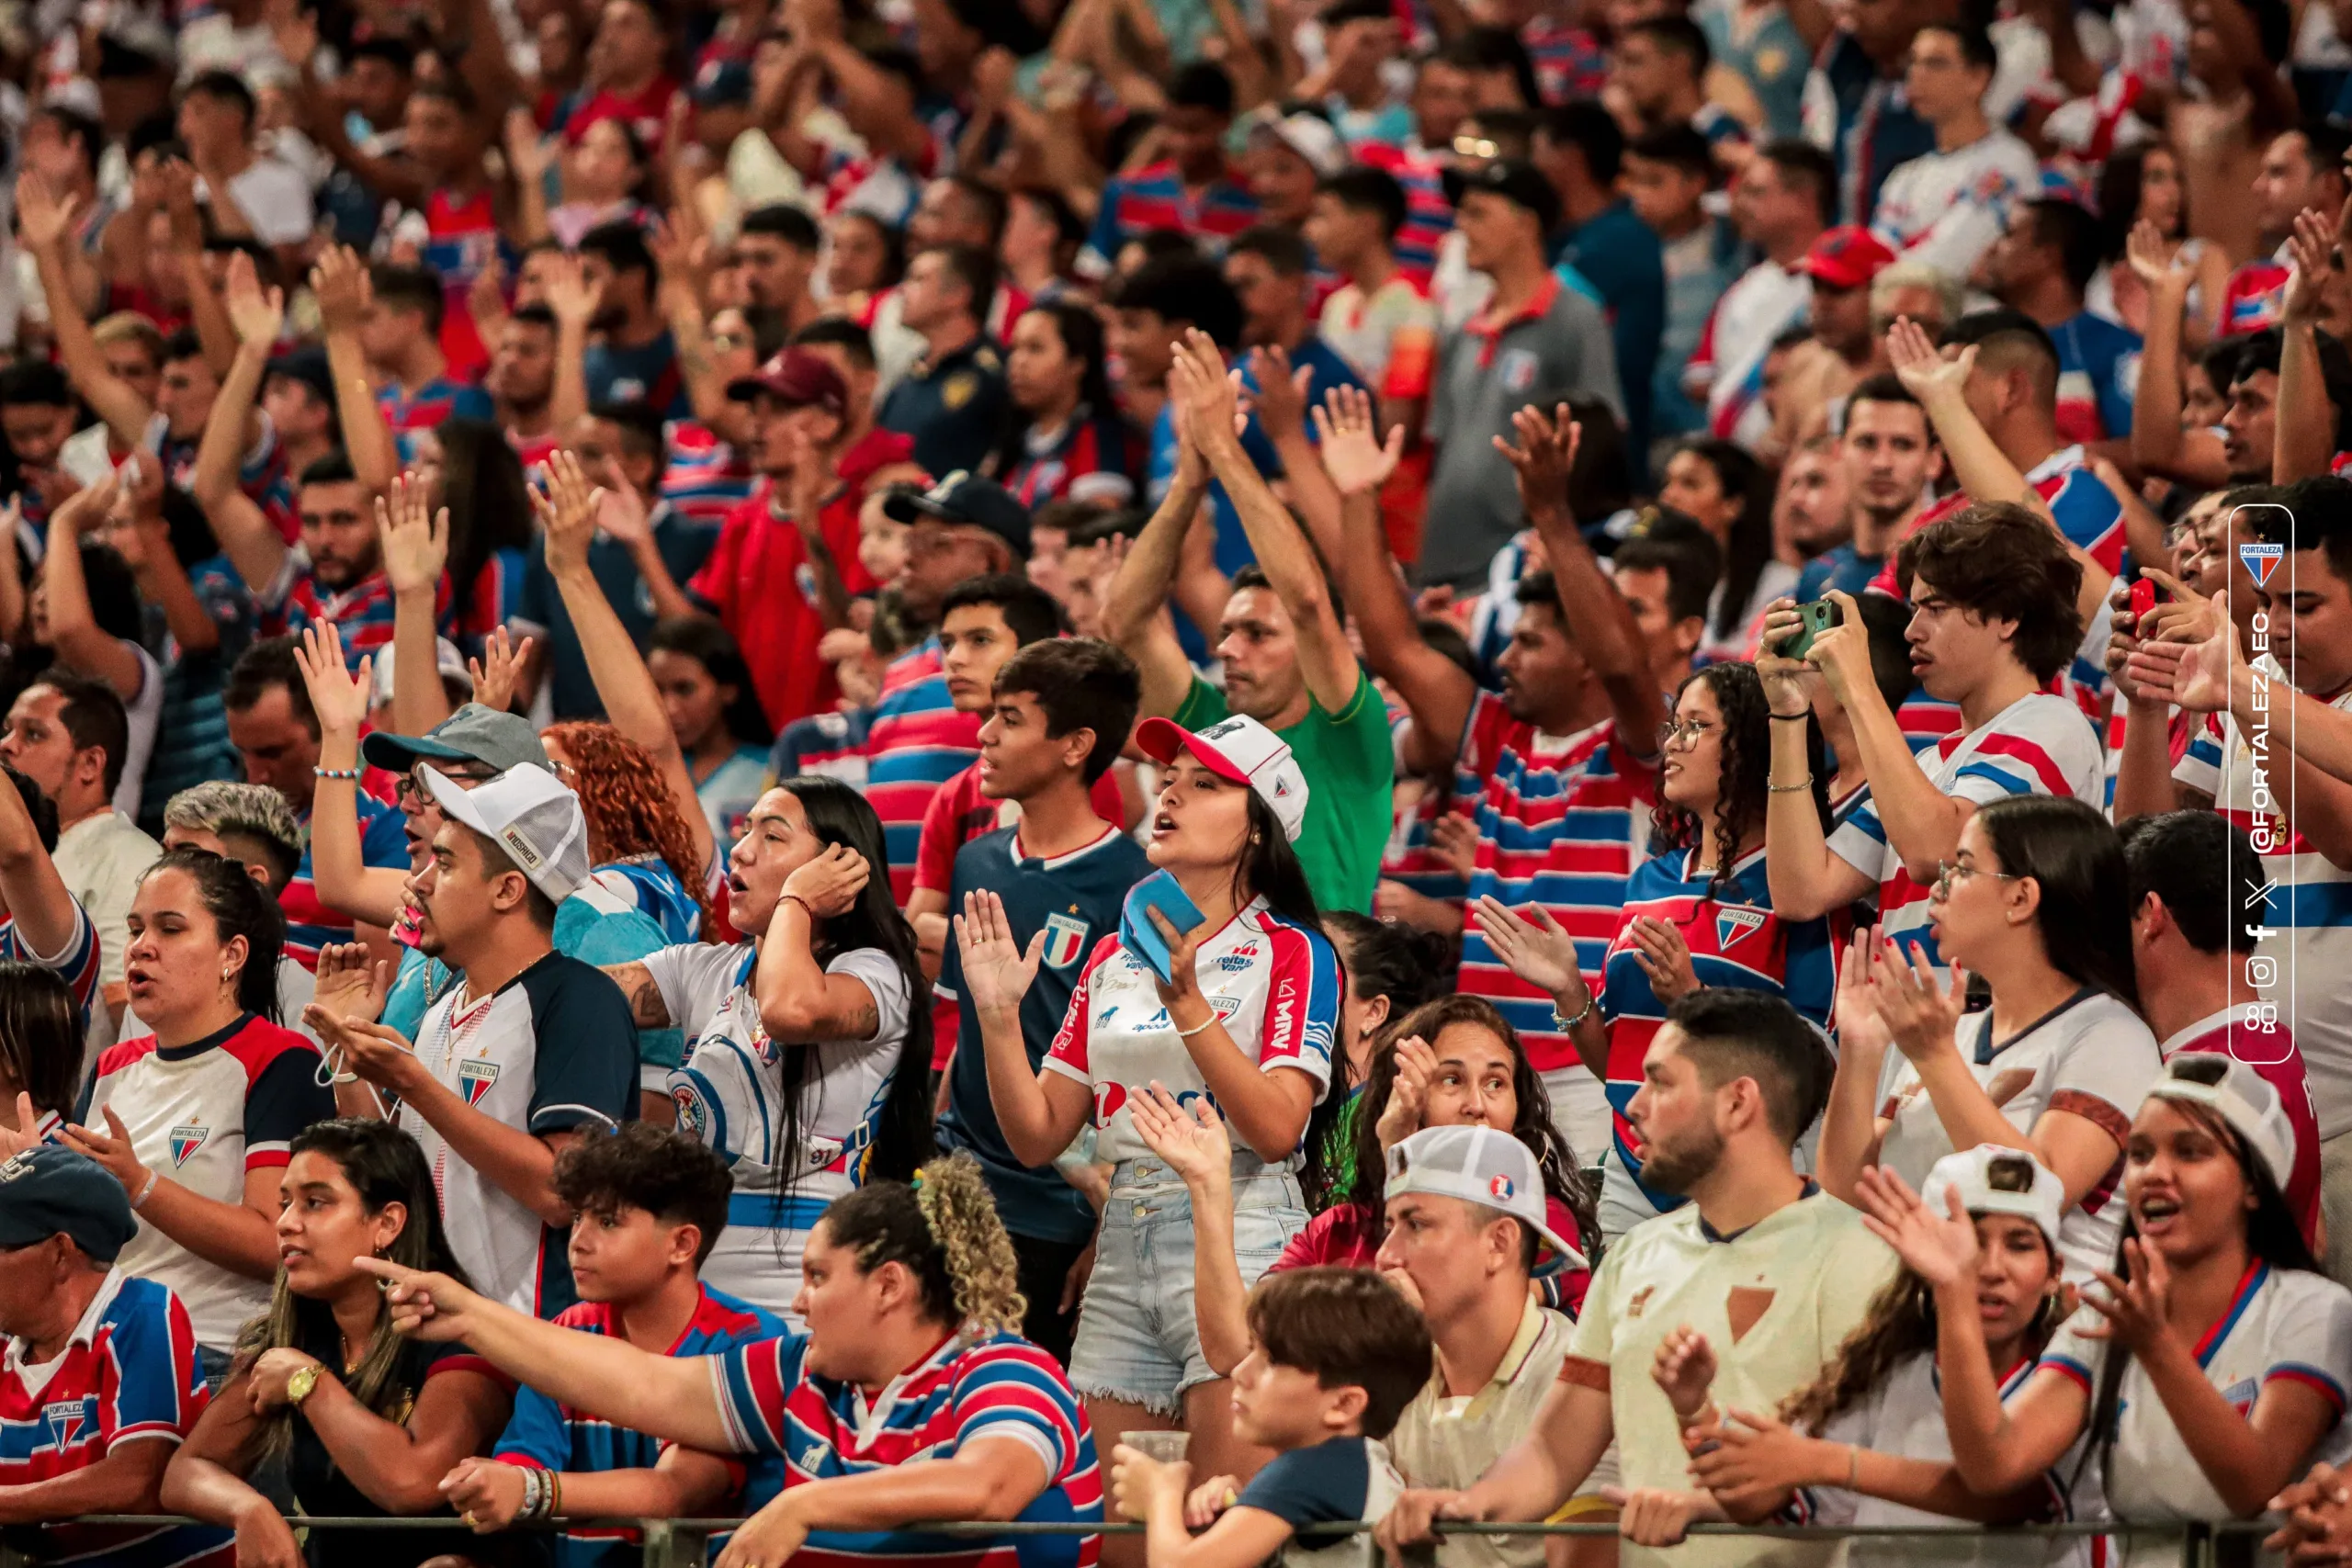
472,734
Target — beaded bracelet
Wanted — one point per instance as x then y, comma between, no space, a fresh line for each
352,774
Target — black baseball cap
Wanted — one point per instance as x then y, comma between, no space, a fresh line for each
965,501
51,1191
307,365
1520,184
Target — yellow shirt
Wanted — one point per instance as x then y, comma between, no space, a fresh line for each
1447,1442
1774,1301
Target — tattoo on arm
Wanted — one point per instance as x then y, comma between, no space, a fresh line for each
863,1019
645,1004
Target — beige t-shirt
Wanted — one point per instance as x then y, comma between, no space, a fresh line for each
1447,1442
1795,1284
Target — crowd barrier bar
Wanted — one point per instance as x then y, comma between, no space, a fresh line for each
680,1543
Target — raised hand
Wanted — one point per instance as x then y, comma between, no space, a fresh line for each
567,510
498,673
416,540
526,155
1920,366
1209,394
1281,392
1191,1141
1347,434
341,285
87,508
1417,1068
2152,258
340,696
1543,457
2135,1309
996,971
2311,248
42,219
1859,1025
24,1135
1661,955
1685,1367
1921,1014
574,296
351,987
1942,1248
1533,946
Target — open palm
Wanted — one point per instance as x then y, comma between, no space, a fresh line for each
997,973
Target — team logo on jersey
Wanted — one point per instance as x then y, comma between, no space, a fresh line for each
1065,940
186,1139
1733,926
474,1079
693,1118
2261,560
1501,1189
64,1420
1517,369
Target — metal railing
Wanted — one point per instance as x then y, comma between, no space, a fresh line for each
683,1543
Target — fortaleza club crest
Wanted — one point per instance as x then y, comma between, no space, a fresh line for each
1065,940
1736,925
1501,1189
2261,560
187,1138
474,1079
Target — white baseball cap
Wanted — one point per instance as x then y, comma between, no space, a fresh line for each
1309,136
530,814
2249,1102
1482,1165
1992,1180
1240,750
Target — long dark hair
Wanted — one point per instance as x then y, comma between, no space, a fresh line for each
2272,1235
384,1166
1741,796
1367,1184
1081,331
2119,183
712,646
2076,858
41,1037
1901,1324
1745,554
239,909
1270,869
1377,959
489,503
839,815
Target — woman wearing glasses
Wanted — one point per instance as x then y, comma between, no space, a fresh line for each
2034,904
1698,912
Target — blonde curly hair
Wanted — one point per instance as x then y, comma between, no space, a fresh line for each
943,1228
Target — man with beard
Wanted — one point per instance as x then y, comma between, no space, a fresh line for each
636,360
1890,460
535,380
1811,510
751,580
491,1110
1729,1084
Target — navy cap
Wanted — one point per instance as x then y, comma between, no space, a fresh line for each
963,501
472,734
51,1191
307,365
1522,185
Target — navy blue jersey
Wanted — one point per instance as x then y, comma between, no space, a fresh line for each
1075,899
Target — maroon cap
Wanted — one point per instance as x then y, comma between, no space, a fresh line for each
1847,257
797,377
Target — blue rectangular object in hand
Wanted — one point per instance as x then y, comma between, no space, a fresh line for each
1139,936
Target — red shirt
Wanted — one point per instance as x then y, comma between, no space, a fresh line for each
758,581
647,112
959,813
2274,1056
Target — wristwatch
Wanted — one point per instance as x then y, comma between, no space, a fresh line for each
299,1386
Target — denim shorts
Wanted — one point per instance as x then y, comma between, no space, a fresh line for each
1136,1337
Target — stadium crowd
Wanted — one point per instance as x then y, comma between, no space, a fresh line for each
1245,764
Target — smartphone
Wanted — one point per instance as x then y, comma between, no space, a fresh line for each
1139,936
1814,618
2143,598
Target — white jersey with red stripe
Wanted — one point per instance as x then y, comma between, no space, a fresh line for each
2283,1325
2038,745
1947,208
1274,982
2310,904
1727,367
2091,1057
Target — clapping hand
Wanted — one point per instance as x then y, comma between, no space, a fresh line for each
1662,954
2135,1308
2147,253
1534,946
351,985
1685,1367
1921,1014
996,971
1920,366
1192,1141
341,284
1417,1068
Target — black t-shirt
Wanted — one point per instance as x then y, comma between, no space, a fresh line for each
322,1490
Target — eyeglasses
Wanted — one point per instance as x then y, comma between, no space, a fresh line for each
408,788
1948,872
1683,733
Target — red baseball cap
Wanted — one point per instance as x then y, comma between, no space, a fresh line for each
797,377
1847,257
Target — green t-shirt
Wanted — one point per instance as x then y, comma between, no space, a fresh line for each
1350,768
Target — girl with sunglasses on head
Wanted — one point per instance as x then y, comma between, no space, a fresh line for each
1697,913
2209,1365
2035,904
1864,1444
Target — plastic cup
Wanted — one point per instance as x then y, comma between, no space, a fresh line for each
1168,1448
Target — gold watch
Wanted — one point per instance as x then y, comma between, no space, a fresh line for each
299,1386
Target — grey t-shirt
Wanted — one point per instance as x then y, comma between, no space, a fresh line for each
1558,348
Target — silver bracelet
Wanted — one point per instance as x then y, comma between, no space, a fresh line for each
1570,1025
148,1190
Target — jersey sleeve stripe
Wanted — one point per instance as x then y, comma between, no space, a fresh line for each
2067,1367
2311,1377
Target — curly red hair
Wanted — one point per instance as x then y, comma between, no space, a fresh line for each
627,804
